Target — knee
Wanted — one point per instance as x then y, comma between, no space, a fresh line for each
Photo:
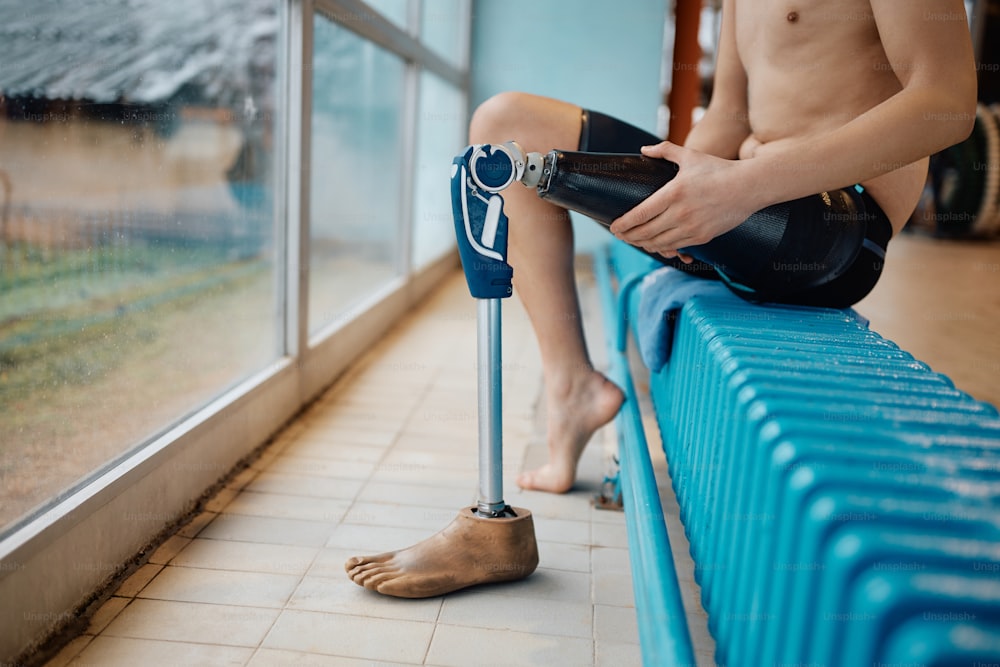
497,117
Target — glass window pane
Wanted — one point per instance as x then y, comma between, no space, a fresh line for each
442,28
394,10
355,211
137,237
441,136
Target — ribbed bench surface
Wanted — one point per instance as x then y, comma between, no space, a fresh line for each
840,498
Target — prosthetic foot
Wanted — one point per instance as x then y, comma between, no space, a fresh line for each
471,550
492,542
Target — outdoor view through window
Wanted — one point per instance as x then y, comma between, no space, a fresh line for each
138,270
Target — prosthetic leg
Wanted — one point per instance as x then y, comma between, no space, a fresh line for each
491,542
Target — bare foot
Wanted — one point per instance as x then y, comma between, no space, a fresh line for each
470,550
573,417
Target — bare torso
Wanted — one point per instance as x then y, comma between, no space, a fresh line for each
814,65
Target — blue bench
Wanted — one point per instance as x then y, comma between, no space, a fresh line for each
841,500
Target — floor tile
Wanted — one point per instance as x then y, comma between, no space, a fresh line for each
610,535
246,556
462,442
221,499
546,584
114,651
351,636
270,657
222,587
408,474
340,595
559,556
242,478
107,613
445,421
615,624
193,527
613,654
317,443
131,586
561,530
168,550
323,510
556,506
613,516
609,559
613,588
366,539
225,625
430,519
431,460
418,494
456,646
353,424
319,467
267,530
305,485
501,612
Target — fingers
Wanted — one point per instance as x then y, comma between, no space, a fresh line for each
665,150
666,243
644,212
649,225
659,201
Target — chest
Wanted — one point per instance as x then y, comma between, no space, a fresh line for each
779,29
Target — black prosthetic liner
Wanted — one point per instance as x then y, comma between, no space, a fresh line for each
783,248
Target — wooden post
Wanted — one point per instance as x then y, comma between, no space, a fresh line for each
685,90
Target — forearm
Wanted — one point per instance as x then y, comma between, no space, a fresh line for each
719,133
909,126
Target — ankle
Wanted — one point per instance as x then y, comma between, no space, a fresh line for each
568,383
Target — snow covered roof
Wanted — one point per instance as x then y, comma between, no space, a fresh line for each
137,51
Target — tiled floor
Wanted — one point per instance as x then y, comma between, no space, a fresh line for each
384,459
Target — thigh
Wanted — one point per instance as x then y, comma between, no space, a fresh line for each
539,124
601,133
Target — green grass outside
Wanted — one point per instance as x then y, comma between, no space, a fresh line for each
71,318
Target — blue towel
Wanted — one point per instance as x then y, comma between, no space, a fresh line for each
662,294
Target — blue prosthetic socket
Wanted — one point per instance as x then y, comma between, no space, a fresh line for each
477,175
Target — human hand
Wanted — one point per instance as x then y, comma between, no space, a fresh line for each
708,197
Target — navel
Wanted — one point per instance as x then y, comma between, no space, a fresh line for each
792,17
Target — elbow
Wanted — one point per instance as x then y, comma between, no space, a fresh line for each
959,110
948,109
966,118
